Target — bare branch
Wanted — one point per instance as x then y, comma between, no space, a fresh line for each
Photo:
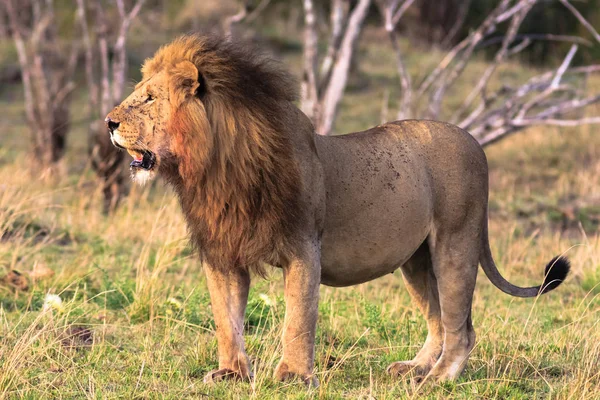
121,8
89,58
512,11
401,10
588,69
538,36
465,47
338,18
567,106
563,67
581,19
405,82
514,112
498,59
520,47
558,122
120,57
309,76
488,26
235,19
389,14
335,89
106,102
243,14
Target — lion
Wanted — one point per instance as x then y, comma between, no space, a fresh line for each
258,187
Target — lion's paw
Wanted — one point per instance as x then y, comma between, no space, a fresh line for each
402,368
218,375
283,374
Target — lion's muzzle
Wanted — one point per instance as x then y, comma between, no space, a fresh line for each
142,159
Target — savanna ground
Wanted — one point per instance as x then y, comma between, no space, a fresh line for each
135,319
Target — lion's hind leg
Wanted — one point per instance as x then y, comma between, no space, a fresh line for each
421,283
455,255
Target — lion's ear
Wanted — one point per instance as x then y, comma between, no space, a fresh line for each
185,81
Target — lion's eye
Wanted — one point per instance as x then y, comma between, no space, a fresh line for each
149,99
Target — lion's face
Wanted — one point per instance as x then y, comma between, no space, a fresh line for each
140,124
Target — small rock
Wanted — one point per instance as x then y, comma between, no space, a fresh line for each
16,280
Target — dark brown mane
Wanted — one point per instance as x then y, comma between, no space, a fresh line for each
238,185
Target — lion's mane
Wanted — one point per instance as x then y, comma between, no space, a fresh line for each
237,184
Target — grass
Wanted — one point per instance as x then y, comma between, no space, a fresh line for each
135,319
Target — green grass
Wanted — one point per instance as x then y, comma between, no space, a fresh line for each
136,322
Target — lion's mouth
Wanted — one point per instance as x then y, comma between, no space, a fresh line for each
142,159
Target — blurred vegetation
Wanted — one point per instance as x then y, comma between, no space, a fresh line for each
427,22
546,17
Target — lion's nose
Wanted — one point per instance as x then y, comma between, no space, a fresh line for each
112,125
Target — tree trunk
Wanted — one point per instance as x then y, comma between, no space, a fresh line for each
106,81
339,73
46,72
322,90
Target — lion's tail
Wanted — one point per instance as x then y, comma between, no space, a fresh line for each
555,273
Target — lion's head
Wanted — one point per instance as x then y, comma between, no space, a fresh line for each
215,117
189,93
141,124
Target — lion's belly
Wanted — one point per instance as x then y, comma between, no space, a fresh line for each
370,244
379,209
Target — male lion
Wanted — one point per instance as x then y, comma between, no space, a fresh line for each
258,187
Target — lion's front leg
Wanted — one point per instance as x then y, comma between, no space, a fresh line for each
228,297
302,277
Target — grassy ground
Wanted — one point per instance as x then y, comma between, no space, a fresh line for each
135,320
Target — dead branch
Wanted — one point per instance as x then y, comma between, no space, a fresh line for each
235,19
581,19
465,49
244,15
310,96
393,11
500,57
490,115
559,122
537,37
339,73
339,11
321,93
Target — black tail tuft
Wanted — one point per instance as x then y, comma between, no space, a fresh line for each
556,272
